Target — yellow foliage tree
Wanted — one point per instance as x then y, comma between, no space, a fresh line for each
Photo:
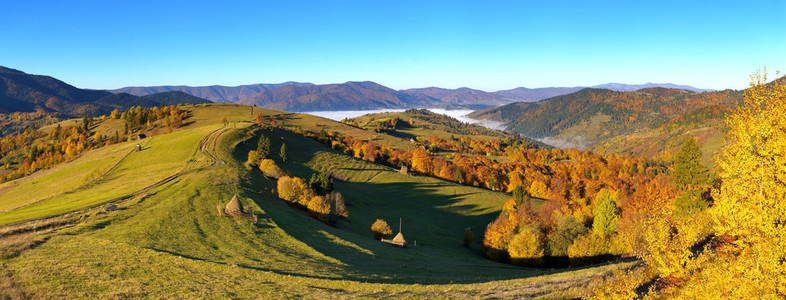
538,189
422,161
270,169
750,206
294,189
527,247
380,229
319,206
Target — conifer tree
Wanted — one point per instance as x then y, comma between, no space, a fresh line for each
263,147
689,172
283,153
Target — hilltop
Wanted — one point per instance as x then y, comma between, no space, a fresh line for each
22,92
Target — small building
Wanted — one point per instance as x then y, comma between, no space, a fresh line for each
141,136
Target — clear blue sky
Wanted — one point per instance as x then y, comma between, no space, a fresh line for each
489,45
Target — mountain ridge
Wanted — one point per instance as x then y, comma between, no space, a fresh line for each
23,92
263,94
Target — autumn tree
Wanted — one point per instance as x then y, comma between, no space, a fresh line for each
293,189
319,206
380,229
270,169
749,206
422,161
338,204
527,246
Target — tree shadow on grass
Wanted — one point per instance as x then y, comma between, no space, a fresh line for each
434,215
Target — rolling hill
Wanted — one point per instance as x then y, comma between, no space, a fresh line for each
589,116
22,92
146,224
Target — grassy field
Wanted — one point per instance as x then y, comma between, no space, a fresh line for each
163,156
171,241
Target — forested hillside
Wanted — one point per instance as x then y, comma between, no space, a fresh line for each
589,116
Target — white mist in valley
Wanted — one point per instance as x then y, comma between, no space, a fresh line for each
458,114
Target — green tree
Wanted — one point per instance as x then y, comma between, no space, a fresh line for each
263,147
689,172
522,196
605,212
565,232
283,152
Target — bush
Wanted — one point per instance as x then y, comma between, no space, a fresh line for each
294,190
253,158
270,169
469,237
526,247
319,206
380,229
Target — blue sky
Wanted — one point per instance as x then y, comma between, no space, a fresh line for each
488,45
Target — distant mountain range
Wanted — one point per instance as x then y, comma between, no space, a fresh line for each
215,93
22,92
303,96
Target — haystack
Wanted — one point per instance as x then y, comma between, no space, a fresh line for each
234,208
398,240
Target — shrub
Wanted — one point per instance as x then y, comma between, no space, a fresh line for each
270,169
468,238
293,189
380,229
319,206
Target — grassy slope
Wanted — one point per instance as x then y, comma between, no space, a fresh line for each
162,157
171,242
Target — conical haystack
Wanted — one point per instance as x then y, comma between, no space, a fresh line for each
399,240
234,207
